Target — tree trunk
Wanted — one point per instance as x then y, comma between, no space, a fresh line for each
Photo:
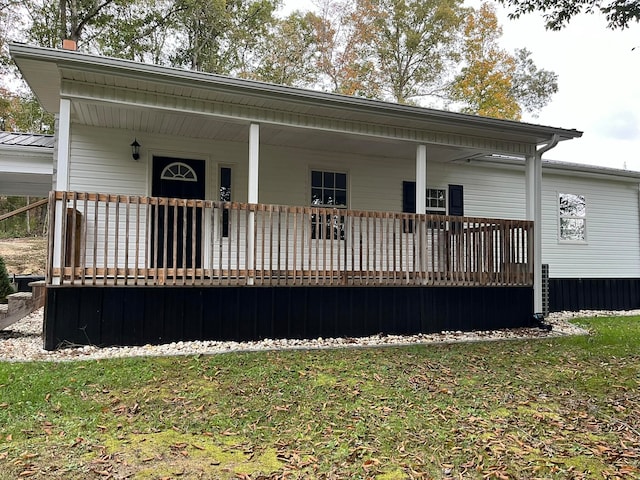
63,20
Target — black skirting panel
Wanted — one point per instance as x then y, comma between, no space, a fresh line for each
593,294
138,316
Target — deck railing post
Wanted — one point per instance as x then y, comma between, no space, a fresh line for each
53,246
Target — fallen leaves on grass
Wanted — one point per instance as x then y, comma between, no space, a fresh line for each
537,409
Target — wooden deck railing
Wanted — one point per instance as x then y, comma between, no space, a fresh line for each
98,239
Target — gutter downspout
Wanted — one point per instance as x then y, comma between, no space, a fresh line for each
553,141
534,180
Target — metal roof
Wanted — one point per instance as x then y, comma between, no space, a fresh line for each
27,139
580,168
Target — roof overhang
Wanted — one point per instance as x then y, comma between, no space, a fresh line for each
54,74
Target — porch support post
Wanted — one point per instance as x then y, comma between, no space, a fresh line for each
533,180
254,158
421,179
421,209
254,161
62,149
62,146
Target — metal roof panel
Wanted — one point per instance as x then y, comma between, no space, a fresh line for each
27,139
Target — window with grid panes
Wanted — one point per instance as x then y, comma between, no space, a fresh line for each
328,190
437,201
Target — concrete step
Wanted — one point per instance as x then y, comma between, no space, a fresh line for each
19,300
18,306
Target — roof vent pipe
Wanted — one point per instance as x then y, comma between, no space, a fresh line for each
69,45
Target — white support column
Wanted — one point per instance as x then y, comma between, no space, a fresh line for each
254,162
421,207
533,180
421,179
63,145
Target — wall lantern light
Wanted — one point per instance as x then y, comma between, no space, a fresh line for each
135,149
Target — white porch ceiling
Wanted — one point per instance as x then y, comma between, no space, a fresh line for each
192,125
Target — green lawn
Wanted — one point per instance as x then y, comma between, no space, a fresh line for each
562,408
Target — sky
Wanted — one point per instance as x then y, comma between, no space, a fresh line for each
598,83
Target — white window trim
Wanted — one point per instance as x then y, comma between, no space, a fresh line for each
569,217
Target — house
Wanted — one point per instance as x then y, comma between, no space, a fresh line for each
196,206
599,272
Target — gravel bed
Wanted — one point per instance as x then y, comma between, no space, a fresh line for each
22,341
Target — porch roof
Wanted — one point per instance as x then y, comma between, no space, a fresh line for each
99,84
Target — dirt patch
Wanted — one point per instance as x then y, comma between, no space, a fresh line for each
24,256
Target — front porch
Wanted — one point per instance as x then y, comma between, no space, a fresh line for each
132,270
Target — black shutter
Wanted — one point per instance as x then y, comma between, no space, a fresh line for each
456,200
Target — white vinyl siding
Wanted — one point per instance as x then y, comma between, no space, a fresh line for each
375,183
612,249
101,162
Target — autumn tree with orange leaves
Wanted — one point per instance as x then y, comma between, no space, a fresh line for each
493,82
396,50
344,34
435,53
415,45
408,51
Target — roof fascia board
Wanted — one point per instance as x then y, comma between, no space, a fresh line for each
26,150
134,70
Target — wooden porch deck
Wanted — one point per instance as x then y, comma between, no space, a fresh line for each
116,240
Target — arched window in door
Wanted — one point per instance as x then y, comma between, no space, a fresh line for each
179,171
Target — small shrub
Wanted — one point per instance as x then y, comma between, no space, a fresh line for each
5,283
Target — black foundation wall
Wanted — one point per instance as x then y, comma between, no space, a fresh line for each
593,294
137,316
